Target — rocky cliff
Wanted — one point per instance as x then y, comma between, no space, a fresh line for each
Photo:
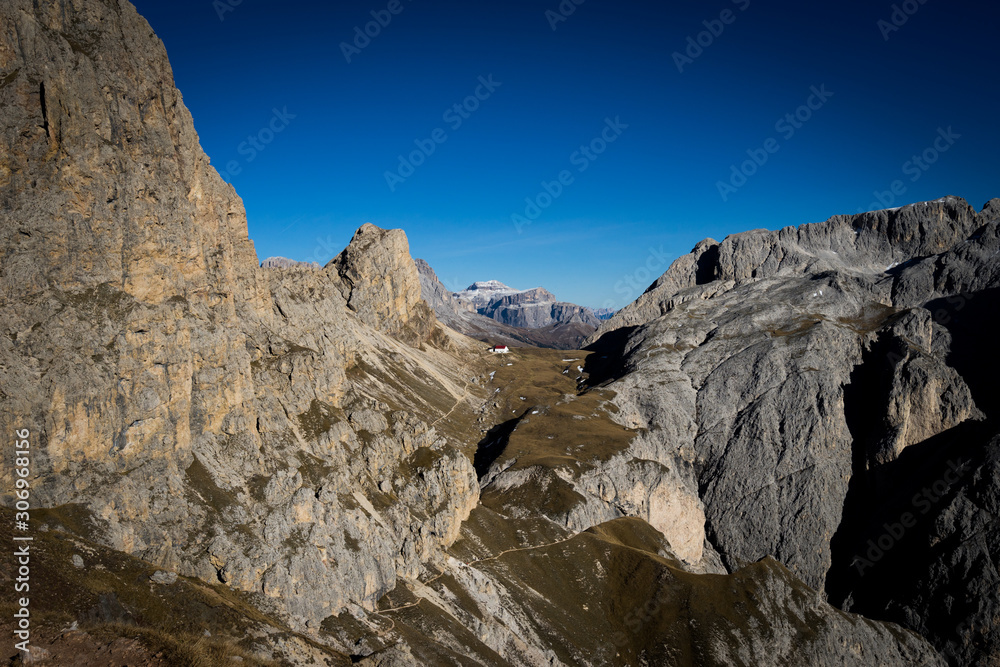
226,422
303,464
533,309
380,283
817,380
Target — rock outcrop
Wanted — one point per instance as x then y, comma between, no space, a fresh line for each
381,283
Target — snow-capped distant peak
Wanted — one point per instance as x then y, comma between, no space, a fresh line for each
489,286
486,290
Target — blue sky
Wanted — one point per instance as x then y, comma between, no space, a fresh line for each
589,148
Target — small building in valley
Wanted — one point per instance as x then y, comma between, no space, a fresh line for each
499,349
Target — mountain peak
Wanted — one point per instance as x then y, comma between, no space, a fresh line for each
380,281
490,286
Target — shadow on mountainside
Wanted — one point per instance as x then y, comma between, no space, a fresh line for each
607,362
905,519
493,445
901,523
973,322
708,266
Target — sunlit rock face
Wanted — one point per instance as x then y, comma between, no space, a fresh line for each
196,405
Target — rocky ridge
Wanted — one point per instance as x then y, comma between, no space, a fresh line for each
801,371
361,485
604,313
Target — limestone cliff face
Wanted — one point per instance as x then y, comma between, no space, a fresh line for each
801,372
536,308
207,415
531,308
117,278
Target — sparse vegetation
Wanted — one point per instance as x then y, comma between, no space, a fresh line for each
201,482
314,471
550,430
111,598
319,419
181,650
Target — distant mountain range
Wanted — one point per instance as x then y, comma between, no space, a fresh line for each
494,312
528,309
491,311
604,313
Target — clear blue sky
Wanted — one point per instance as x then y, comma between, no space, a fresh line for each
624,213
